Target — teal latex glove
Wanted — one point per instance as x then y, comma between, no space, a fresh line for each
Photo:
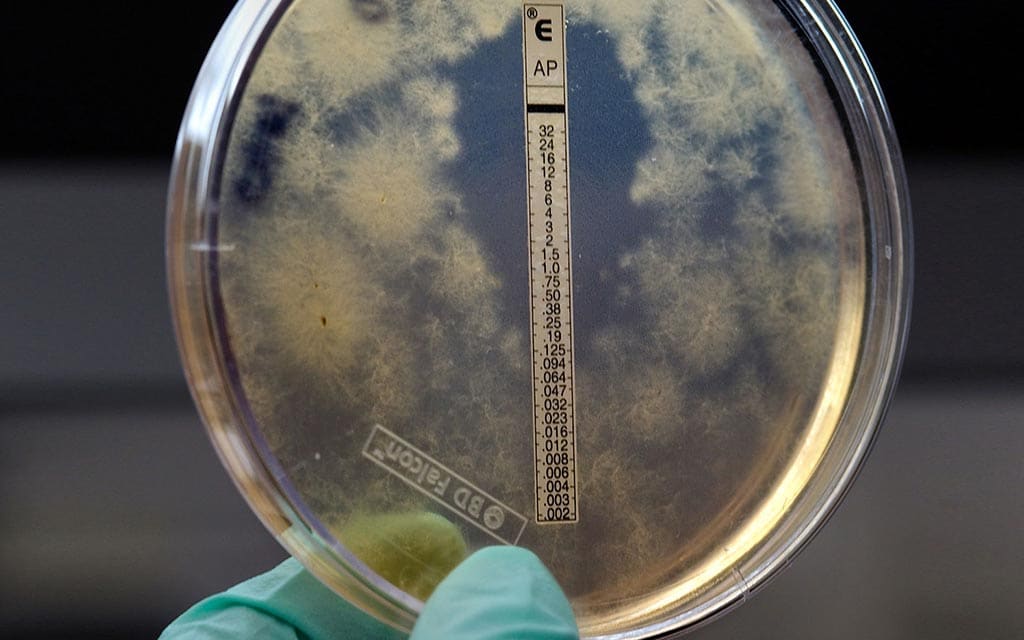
498,593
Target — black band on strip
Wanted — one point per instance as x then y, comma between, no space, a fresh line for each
545,108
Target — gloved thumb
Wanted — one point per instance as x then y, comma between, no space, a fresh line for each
498,593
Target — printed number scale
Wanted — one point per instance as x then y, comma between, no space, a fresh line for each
547,170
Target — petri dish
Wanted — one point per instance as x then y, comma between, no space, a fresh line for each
625,283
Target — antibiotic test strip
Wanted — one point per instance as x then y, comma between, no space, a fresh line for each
551,326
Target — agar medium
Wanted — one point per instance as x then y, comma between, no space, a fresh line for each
624,283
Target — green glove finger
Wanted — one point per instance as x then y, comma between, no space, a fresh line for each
285,603
498,593
412,550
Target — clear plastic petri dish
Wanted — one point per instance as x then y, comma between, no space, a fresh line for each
625,283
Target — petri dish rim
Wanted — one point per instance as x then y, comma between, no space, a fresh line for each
192,257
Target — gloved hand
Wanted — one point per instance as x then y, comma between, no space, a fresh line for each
497,593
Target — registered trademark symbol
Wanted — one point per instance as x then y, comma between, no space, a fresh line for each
531,13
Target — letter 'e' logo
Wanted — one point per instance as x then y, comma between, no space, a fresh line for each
543,30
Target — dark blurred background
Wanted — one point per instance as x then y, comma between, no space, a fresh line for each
115,514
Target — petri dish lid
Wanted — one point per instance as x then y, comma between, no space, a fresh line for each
625,283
